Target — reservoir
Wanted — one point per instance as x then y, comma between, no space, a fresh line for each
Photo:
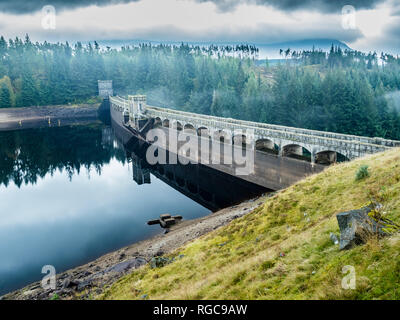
71,194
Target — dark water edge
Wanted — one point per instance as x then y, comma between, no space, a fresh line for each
69,195
49,116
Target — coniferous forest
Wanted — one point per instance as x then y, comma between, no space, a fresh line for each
342,90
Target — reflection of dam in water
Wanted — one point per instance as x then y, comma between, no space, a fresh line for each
211,188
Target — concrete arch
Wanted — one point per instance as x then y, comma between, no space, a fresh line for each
165,123
296,151
157,122
189,128
239,139
203,131
177,125
328,157
267,145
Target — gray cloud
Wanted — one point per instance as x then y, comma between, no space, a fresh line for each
26,6
393,30
389,40
289,5
395,9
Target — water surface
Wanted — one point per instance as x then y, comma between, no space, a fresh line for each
67,196
71,194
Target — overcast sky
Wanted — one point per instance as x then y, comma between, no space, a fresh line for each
255,21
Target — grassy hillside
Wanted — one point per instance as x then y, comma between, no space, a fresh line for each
283,250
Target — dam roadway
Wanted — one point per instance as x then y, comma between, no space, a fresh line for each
281,155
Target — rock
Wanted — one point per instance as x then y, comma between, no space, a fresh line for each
86,273
98,291
166,231
61,292
334,238
68,283
158,262
84,284
356,226
126,265
35,286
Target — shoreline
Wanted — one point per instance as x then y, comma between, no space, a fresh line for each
82,282
47,116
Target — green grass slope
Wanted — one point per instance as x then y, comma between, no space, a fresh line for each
283,250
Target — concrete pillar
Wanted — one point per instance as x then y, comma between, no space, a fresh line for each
280,150
313,156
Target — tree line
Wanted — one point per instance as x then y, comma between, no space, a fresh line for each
343,91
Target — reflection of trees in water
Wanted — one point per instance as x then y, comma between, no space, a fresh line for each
27,155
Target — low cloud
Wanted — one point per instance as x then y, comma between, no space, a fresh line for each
262,34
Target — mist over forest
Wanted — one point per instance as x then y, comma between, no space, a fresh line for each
341,90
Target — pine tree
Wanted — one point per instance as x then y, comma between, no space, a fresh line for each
5,97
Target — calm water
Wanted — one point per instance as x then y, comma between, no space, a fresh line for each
69,195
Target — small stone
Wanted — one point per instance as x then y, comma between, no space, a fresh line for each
68,283
84,284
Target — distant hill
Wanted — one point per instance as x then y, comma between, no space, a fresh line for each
272,50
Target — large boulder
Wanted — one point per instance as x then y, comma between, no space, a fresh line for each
356,226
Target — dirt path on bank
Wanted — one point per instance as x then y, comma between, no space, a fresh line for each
34,117
92,277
